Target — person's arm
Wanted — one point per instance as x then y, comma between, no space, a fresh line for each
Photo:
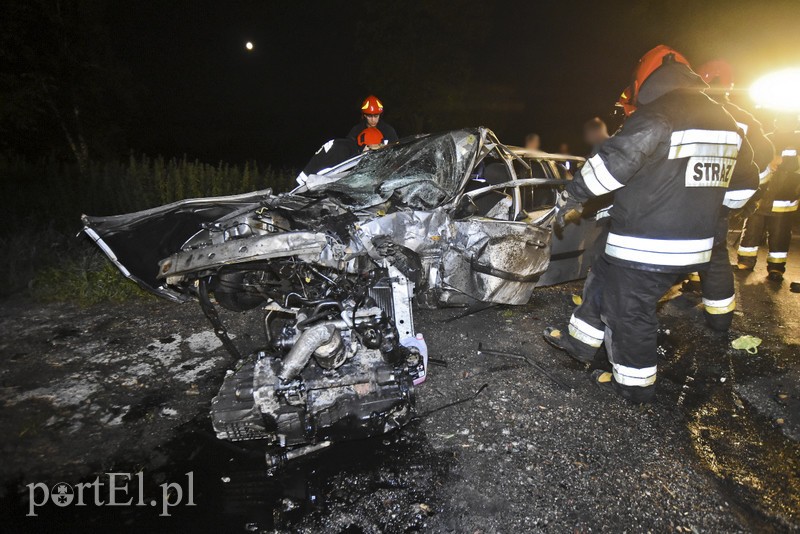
620,157
744,180
354,131
389,134
763,151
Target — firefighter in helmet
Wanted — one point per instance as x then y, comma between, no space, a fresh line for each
369,134
779,200
716,281
372,132
670,167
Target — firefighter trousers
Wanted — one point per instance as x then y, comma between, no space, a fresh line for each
586,329
619,309
777,227
629,298
719,293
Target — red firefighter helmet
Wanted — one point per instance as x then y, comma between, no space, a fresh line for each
649,63
372,106
370,136
717,73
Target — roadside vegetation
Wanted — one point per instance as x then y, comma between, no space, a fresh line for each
43,253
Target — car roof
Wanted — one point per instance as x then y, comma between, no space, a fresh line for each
528,153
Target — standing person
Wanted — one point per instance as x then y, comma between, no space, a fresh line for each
372,132
533,141
595,132
369,134
670,166
716,281
586,338
779,200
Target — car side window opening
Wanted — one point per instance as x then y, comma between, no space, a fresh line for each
561,170
496,203
540,197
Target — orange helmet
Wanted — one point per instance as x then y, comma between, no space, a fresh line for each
372,106
370,136
717,73
625,102
649,63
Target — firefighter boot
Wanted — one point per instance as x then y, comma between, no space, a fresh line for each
577,350
775,268
637,395
691,284
746,263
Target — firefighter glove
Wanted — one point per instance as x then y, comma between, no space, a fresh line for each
567,209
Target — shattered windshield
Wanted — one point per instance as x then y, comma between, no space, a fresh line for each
419,174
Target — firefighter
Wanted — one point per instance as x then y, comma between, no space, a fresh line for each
779,200
371,111
369,134
587,337
669,166
716,281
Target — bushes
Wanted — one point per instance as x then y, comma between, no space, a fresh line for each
47,191
43,202
86,278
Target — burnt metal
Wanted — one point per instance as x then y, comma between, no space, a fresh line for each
333,267
213,317
523,357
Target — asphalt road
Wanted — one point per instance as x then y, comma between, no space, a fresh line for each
126,388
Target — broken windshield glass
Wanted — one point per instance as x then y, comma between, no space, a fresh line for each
420,173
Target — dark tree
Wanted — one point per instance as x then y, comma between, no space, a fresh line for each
59,85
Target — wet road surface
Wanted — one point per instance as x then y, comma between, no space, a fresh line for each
127,388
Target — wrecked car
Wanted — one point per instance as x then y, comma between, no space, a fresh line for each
447,219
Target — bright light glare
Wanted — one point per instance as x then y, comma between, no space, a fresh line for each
778,90
248,45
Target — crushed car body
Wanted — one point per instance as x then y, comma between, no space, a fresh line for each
447,219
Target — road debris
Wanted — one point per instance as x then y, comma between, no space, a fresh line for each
529,360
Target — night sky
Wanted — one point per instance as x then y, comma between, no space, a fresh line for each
512,66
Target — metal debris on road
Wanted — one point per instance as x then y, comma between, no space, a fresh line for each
528,359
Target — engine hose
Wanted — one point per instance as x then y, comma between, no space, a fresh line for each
211,313
303,301
308,342
327,304
316,315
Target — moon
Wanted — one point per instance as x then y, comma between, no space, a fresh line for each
248,45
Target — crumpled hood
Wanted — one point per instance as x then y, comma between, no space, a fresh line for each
666,79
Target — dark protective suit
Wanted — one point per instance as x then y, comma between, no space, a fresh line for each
670,166
779,200
337,151
719,293
389,135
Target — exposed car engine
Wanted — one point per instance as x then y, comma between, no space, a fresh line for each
340,356
330,270
334,369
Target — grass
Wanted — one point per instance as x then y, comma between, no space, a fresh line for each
43,202
85,281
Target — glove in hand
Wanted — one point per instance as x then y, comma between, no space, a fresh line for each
567,209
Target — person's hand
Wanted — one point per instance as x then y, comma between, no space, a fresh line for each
567,209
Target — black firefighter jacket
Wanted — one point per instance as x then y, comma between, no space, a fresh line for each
763,151
670,166
782,188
